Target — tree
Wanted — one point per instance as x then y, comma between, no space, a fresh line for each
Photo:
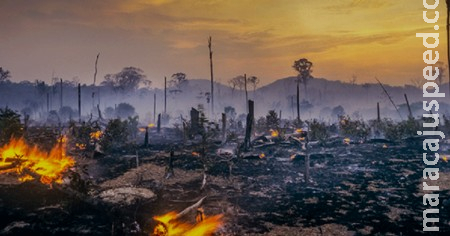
254,81
303,67
4,75
10,126
125,110
127,80
177,82
338,111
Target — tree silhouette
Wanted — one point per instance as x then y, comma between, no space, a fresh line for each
303,67
178,80
254,81
4,74
127,80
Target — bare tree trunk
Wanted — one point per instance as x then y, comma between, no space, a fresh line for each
378,112
61,94
154,107
298,101
95,73
79,103
409,108
248,130
212,75
245,87
165,95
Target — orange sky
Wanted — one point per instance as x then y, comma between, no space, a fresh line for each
366,38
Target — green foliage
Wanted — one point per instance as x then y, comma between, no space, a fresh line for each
10,126
115,135
353,128
317,130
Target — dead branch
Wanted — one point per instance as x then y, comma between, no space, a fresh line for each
390,98
190,208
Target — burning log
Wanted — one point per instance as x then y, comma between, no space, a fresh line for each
169,224
35,163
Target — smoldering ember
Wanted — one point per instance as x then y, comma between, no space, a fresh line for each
244,118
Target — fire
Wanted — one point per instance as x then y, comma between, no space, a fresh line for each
299,131
168,225
30,162
274,133
80,146
445,158
96,135
385,146
195,154
346,140
262,155
141,129
151,125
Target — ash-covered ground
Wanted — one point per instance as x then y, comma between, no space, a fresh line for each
374,188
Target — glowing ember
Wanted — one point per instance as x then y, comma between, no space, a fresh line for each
274,133
96,135
28,161
346,141
195,154
385,146
262,155
299,131
80,146
293,156
445,158
168,225
151,125
141,129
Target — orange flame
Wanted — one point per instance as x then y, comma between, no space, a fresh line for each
169,226
299,131
274,133
141,129
28,161
346,140
445,158
195,154
262,155
96,135
151,125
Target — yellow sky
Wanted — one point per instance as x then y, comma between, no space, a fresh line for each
366,38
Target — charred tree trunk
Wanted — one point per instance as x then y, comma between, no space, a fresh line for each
79,103
224,128
307,159
159,123
245,87
249,124
298,102
146,137
212,75
165,95
195,121
154,107
61,94
378,112
95,72
409,108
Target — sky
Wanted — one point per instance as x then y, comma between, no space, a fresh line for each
343,38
